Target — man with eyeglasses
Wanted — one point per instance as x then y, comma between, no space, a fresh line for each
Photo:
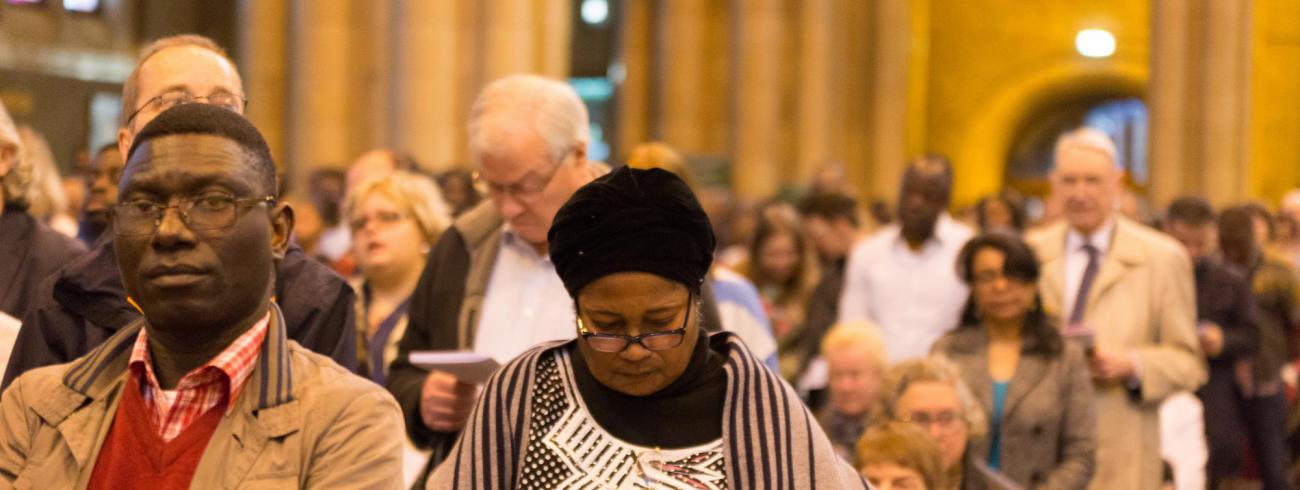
84,303
488,285
205,390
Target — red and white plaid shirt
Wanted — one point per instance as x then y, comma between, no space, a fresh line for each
220,380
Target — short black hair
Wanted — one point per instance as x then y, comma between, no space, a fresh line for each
1190,210
212,120
830,205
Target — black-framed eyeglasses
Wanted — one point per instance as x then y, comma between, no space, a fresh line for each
655,341
232,102
211,211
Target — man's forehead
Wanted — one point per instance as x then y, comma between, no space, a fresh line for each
189,148
190,67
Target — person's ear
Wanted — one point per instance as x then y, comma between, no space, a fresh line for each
580,154
8,155
281,229
124,140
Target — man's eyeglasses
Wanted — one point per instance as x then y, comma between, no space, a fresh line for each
212,211
656,341
526,191
167,100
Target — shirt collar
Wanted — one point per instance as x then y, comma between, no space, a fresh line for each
511,239
1100,239
943,231
234,364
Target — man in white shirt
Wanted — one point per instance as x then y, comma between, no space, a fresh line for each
1126,293
903,278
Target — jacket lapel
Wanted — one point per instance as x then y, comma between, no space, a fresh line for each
15,233
265,410
1030,371
1052,256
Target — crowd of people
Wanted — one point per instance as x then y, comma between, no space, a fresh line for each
650,333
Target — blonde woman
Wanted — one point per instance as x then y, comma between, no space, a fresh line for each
394,221
783,265
855,358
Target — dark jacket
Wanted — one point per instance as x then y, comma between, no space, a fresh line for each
1224,298
84,304
29,252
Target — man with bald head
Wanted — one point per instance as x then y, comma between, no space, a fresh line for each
84,303
1126,292
902,277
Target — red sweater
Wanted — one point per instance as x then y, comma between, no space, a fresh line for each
133,452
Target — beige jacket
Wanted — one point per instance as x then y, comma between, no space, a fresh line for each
301,422
1142,304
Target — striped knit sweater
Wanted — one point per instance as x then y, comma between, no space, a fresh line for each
770,440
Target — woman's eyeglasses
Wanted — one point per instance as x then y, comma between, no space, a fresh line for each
656,341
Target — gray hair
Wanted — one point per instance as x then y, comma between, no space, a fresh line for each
551,108
1088,138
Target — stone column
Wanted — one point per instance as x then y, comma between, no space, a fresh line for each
264,64
636,45
758,119
1169,94
319,131
889,114
428,119
816,89
1225,108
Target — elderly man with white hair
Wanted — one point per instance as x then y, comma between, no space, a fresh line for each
488,285
1126,292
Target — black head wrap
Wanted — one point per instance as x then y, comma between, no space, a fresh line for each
632,220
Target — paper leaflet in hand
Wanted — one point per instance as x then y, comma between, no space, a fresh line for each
467,367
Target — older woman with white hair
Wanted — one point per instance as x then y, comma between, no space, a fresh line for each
29,250
855,360
931,394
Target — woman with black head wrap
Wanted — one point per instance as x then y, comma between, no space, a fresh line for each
643,398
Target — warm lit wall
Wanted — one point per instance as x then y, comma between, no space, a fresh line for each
1274,123
994,63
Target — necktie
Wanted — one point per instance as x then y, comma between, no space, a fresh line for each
1089,273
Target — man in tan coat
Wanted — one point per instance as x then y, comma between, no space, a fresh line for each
1126,293
205,390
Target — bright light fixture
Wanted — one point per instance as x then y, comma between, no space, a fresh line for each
1095,43
595,12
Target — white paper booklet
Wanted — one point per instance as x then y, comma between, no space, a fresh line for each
467,367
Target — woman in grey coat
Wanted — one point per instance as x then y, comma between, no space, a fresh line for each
1032,383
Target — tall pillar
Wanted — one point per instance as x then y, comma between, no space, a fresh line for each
1168,95
635,48
264,64
891,69
755,168
1224,109
816,88
428,120
319,132
681,69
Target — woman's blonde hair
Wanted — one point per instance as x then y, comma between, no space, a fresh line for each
937,370
902,444
659,155
857,334
34,180
414,193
